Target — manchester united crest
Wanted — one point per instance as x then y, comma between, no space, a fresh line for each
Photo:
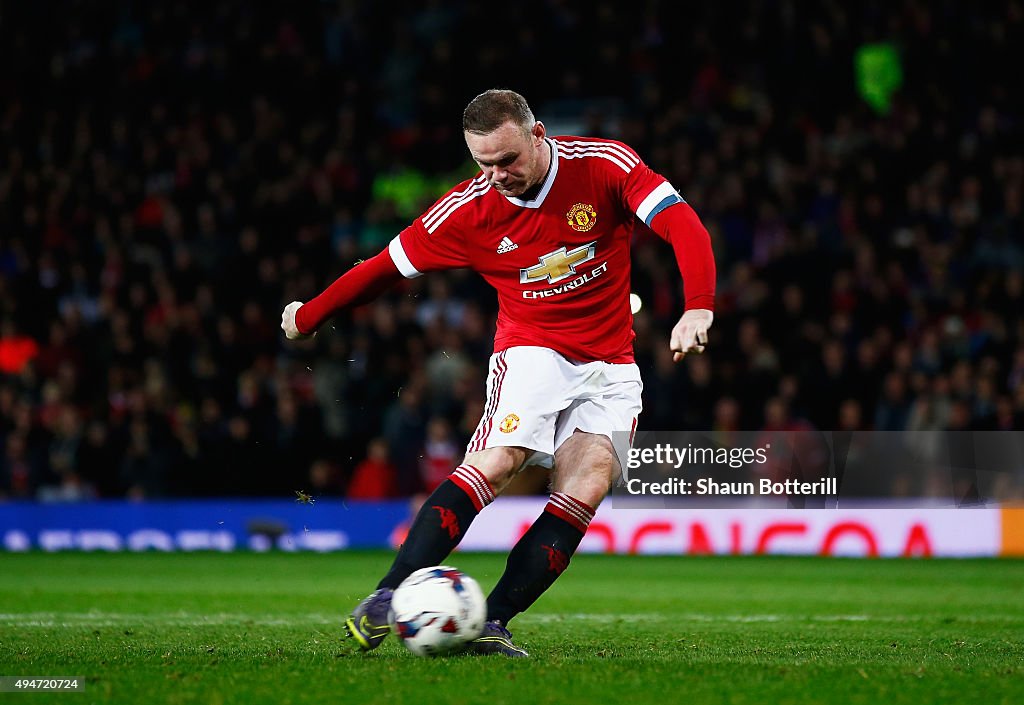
581,217
509,424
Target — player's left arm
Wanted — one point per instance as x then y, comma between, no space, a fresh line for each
681,227
662,209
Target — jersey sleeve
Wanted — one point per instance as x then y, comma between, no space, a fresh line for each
648,194
435,240
644,191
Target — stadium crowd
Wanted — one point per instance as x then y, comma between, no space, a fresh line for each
171,174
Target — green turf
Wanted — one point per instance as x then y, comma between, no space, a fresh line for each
264,628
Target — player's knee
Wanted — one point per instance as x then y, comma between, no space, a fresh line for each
586,473
498,464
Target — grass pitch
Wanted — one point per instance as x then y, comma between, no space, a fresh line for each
265,628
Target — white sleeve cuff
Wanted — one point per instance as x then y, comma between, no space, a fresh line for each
401,259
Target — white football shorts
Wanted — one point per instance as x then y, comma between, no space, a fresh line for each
537,398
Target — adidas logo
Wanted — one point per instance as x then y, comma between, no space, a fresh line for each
506,245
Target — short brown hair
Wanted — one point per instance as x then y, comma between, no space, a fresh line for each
492,109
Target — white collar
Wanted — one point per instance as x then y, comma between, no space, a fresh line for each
549,180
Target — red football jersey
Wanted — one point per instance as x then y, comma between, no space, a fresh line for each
560,262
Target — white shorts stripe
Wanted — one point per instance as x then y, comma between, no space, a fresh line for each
499,383
484,429
488,409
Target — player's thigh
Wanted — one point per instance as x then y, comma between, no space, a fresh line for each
586,464
610,408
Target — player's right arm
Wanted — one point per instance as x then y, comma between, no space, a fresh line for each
432,242
664,211
359,285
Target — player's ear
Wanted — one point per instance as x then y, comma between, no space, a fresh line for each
538,132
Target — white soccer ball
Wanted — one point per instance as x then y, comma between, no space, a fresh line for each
437,610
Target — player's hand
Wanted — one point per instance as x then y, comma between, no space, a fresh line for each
291,331
691,333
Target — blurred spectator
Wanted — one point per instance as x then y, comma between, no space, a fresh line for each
893,410
16,350
404,430
440,454
324,480
375,476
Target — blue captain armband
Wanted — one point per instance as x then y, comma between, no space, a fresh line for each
658,200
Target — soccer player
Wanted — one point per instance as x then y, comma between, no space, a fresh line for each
547,222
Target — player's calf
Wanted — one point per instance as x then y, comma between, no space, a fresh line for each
441,523
540,556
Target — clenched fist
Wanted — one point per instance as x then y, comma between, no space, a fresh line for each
690,334
291,331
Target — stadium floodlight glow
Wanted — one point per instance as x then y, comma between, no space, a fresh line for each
635,304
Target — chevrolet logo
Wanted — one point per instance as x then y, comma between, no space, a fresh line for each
556,266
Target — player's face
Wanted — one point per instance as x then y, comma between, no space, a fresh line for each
512,161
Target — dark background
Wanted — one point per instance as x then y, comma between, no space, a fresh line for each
173,173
